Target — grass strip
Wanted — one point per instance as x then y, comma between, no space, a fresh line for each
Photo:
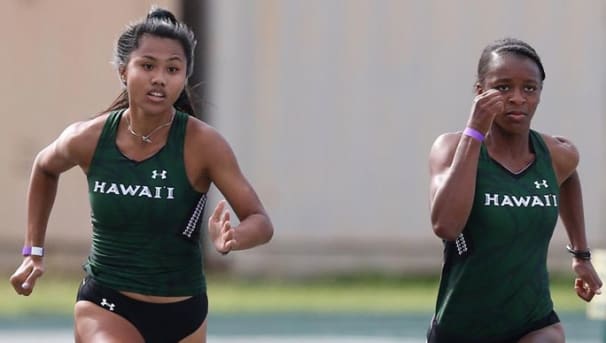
56,296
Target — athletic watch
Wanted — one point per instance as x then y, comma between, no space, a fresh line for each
584,255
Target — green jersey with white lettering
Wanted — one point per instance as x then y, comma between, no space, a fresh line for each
494,280
145,217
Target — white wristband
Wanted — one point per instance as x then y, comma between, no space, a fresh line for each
37,251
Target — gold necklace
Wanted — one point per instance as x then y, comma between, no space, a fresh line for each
145,138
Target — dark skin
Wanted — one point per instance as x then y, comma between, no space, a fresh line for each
505,102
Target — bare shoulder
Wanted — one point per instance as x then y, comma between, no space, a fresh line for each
207,150
561,148
203,135
443,149
447,139
74,147
78,141
564,155
86,127
208,156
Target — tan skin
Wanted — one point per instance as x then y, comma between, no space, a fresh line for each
154,76
505,102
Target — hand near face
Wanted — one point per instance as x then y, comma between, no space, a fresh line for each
222,234
486,106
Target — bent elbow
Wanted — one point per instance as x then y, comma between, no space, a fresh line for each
446,232
269,234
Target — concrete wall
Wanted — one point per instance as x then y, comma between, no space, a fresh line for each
330,105
56,70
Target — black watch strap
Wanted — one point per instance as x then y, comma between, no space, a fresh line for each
584,255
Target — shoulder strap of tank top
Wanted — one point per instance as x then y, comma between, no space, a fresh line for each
108,134
176,138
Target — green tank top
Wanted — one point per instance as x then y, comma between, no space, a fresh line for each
494,280
145,218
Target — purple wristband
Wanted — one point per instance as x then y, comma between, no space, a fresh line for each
473,133
35,251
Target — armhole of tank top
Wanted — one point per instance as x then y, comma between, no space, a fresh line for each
539,143
539,146
108,128
182,130
177,141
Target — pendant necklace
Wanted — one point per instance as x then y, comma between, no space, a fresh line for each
145,138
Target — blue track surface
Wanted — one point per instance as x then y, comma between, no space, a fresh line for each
292,327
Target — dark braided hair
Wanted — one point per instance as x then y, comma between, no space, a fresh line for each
161,23
508,46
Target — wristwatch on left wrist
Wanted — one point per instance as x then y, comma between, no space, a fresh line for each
584,255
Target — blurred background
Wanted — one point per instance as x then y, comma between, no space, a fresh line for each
331,107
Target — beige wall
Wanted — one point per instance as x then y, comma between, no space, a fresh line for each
330,105
56,70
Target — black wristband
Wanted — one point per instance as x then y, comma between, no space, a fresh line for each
584,255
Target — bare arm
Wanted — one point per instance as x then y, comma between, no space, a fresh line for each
588,282
565,160
70,149
453,164
48,165
255,226
571,212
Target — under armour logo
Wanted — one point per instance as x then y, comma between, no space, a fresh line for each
161,174
104,303
543,183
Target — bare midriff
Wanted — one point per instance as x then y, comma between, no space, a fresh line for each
153,298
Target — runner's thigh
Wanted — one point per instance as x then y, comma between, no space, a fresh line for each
95,324
199,336
549,334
